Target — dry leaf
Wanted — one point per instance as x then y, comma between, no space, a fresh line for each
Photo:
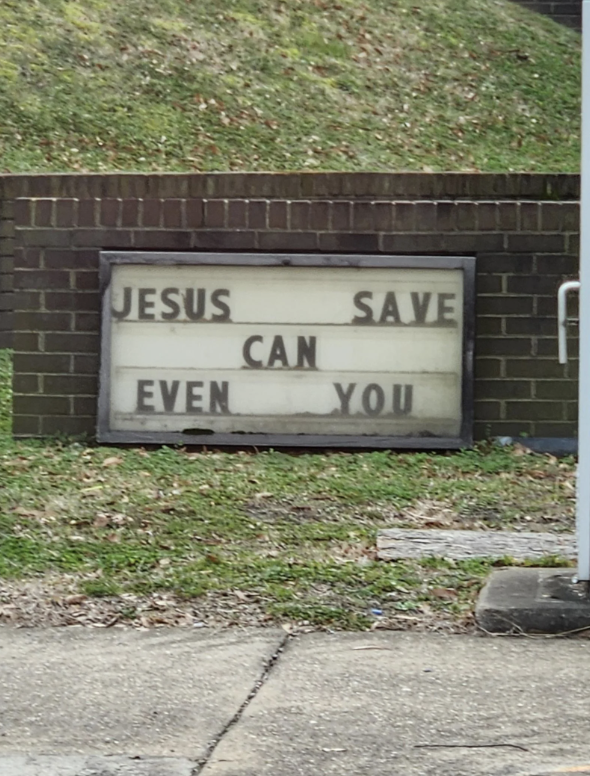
519,449
36,514
444,592
73,600
113,461
101,520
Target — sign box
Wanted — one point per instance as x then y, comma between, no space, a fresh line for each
292,350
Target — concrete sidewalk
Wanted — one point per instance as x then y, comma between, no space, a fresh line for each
82,702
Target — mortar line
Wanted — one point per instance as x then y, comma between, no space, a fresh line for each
263,678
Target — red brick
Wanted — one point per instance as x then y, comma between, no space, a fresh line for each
172,210
45,363
86,281
74,426
25,300
65,212
85,405
163,240
110,210
58,300
215,240
86,364
536,243
41,405
23,212
426,216
70,259
487,216
277,215
341,216
488,410
505,305
529,216
534,410
257,214
47,238
508,216
87,322
503,389
41,279
363,217
88,212
215,210
466,216
487,368
194,213
60,385
27,258
25,425
39,321
488,327
130,213
446,216
25,383
71,343
101,238
534,368
349,242
288,241
319,216
495,263
472,243
152,213
44,212
411,243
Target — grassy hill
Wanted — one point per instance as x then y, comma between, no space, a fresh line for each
285,84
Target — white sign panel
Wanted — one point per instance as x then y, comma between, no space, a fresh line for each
298,350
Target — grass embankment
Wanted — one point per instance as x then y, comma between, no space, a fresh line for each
286,84
173,536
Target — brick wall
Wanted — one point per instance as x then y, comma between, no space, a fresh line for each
568,12
6,264
523,230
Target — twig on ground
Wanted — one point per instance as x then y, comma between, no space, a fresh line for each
470,746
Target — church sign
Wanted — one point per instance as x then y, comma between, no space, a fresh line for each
292,350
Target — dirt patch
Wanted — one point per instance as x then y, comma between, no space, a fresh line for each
54,601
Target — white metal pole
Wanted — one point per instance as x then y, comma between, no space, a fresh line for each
583,502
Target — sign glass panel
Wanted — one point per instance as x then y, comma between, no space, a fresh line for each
202,346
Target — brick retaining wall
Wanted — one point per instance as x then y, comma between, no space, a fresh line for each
523,230
568,12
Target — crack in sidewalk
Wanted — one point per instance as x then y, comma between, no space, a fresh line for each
266,672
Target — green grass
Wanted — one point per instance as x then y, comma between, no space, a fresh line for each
286,84
293,533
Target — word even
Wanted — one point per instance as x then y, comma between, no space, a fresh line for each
169,397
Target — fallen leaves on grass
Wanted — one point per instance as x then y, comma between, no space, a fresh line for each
112,461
